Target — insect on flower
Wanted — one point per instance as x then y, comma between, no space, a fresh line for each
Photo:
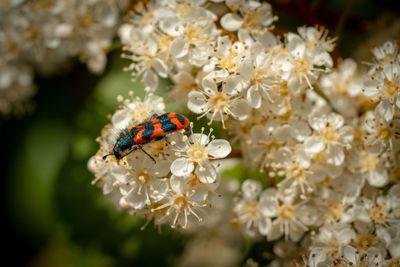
153,130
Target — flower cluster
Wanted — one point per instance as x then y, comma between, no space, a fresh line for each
178,186
325,138
43,35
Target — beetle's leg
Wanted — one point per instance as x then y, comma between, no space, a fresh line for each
141,148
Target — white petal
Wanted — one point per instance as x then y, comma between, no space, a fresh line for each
198,138
178,48
264,226
351,255
209,86
160,189
108,187
179,184
231,22
295,231
335,120
378,177
219,148
398,99
246,69
346,134
121,174
184,78
334,155
240,109
275,231
296,45
160,67
394,248
254,97
197,102
135,200
370,88
120,119
314,144
284,133
385,110
302,130
231,86
206,172
251,189
181,167
317,122
150,79
160,169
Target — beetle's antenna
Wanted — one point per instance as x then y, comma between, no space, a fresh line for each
105,156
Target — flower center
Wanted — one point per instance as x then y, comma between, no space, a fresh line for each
140,113
286,212
219,101
303,66
377,215
197,152
179,203
143,177
336,211
194,34
391,87
251,209
229,62
330,134
341,88
194,180
384,133
368,162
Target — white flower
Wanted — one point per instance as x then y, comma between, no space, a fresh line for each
107,173
343,86
198,149
294,165
146,62
381,134
183,205
384,86
248,210
291,220
144,184
255,16
330,137
226,55
137,110
372,165
217,104
303,64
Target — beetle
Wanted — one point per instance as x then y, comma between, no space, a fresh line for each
154,129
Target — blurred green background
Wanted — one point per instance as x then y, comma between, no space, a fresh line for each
55,217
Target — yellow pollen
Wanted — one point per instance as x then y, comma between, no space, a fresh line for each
228,62
377,215
251,208
368,161
302,66
286,212
143,177
179,203
384,133
330,134
390,87
219,101
197,152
